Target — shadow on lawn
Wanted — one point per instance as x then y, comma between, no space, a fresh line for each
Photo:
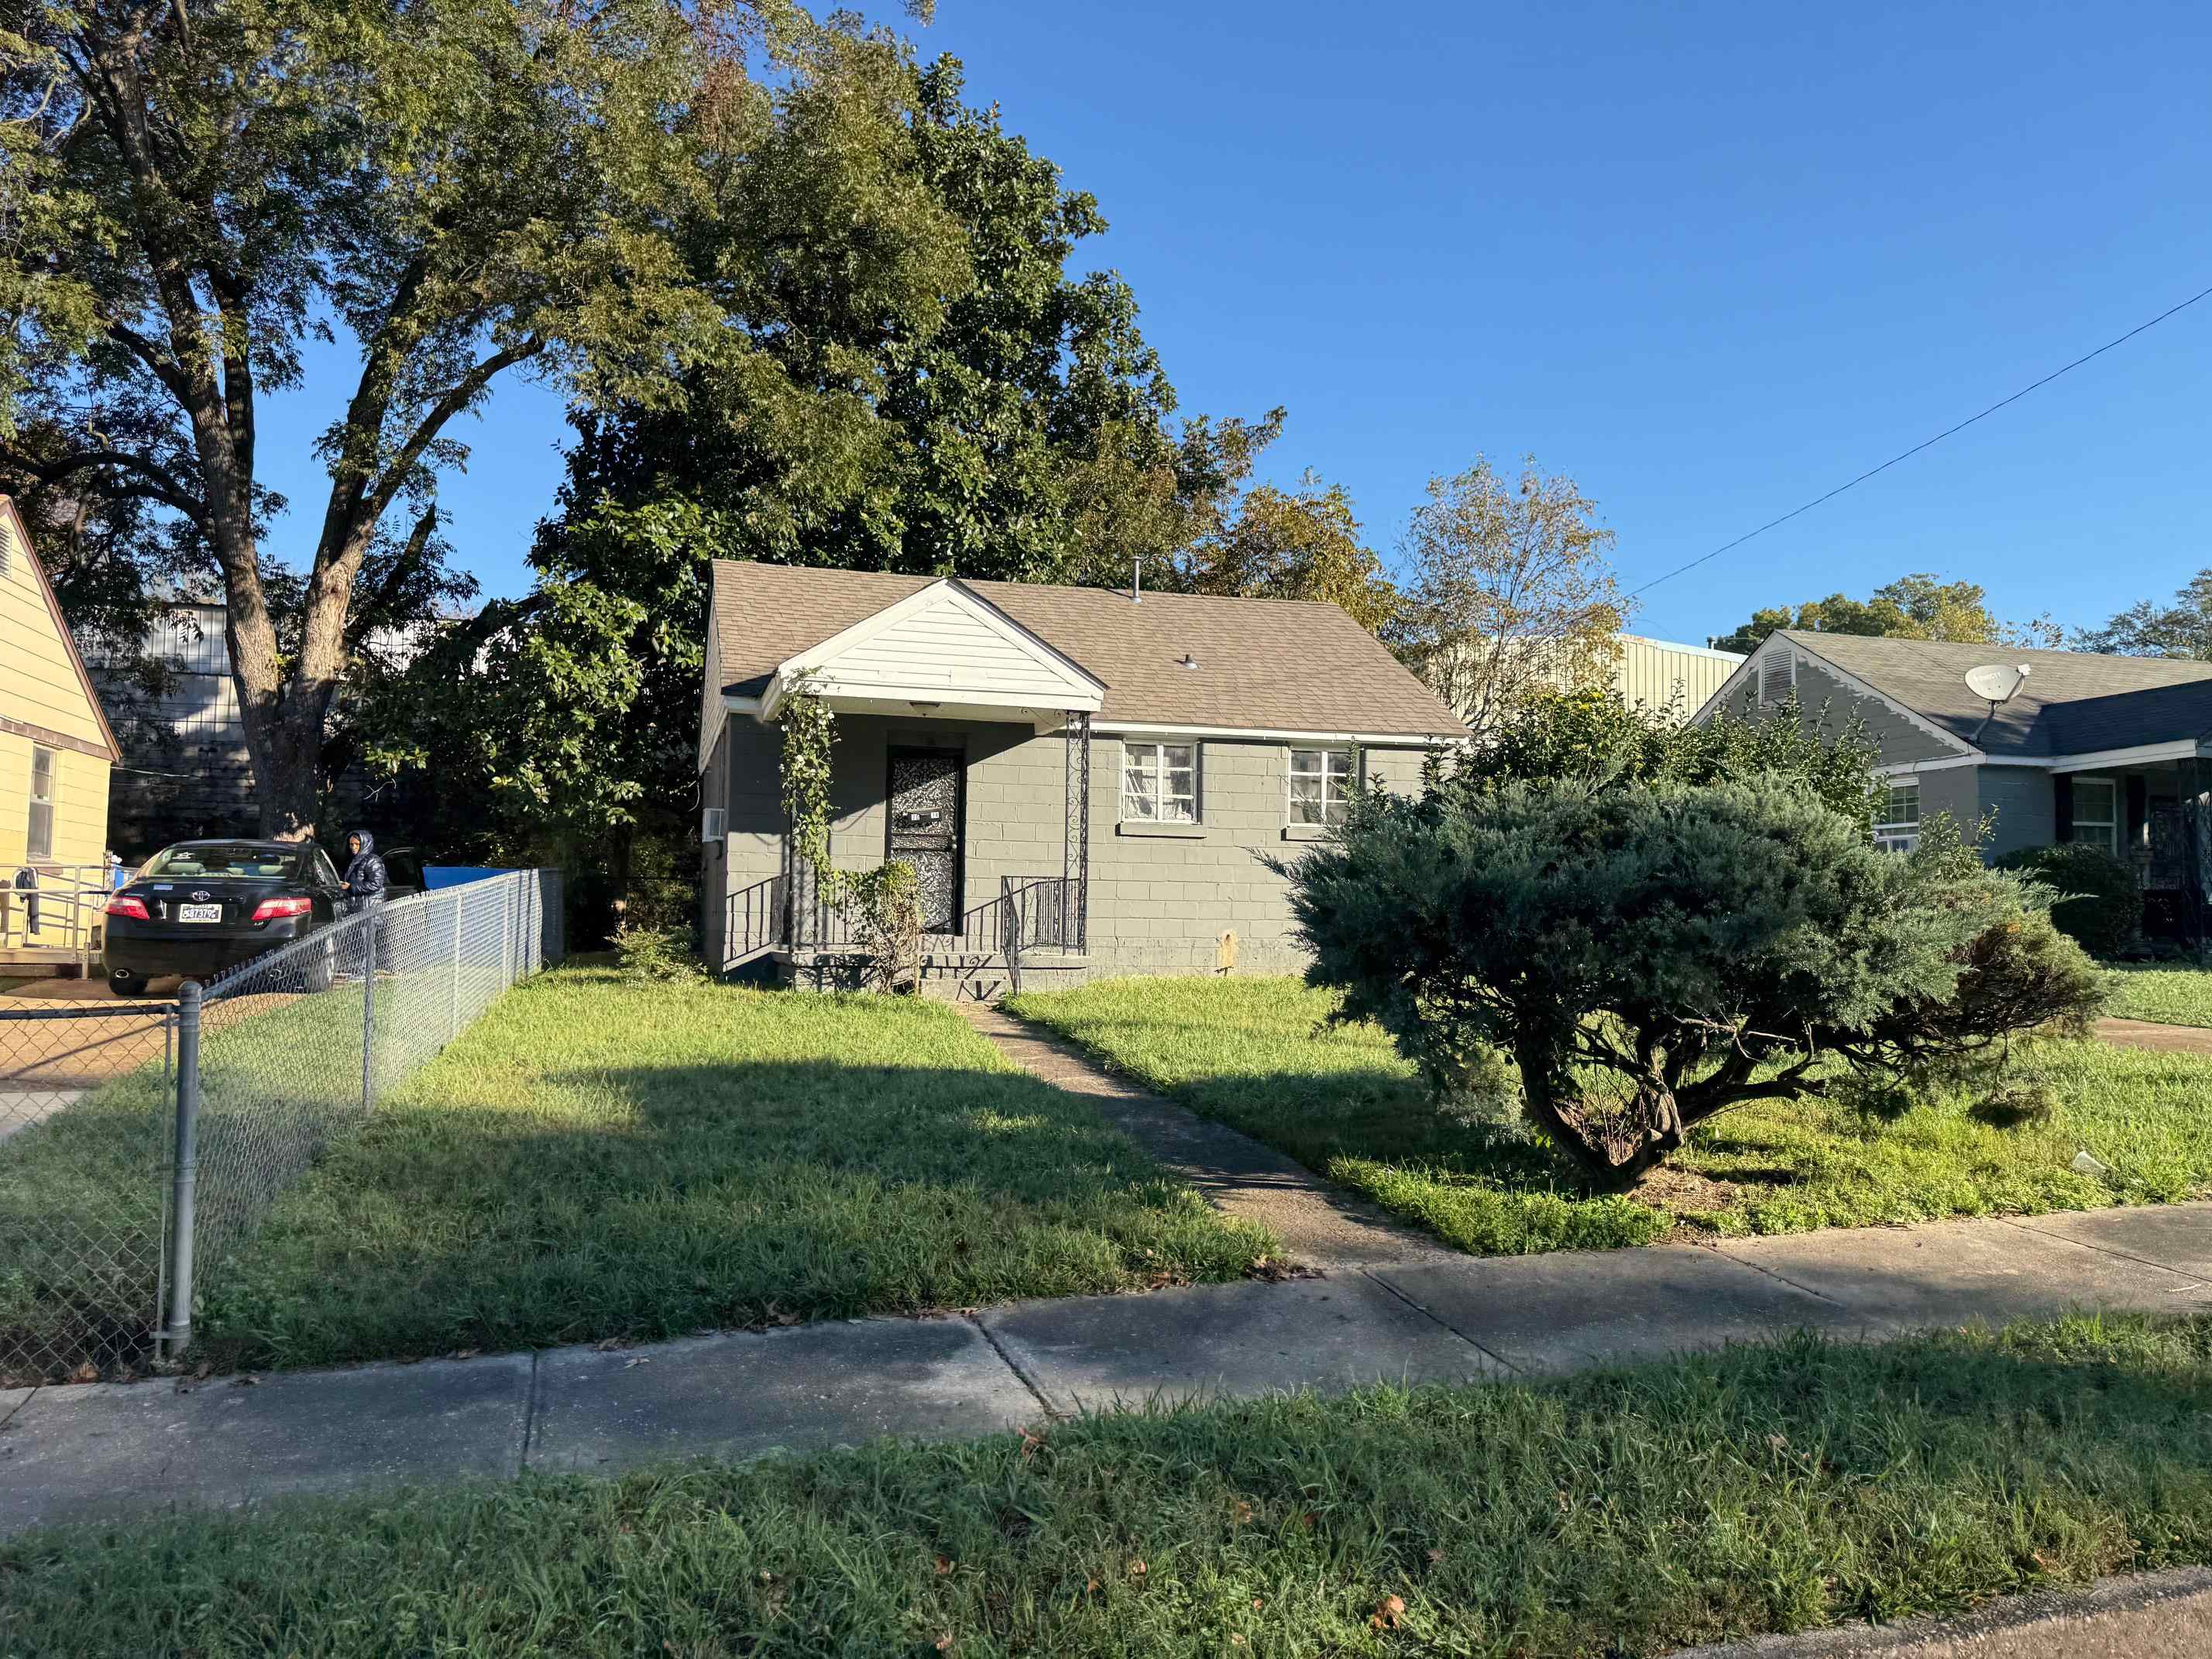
706,1196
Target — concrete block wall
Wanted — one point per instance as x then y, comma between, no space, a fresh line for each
1160,898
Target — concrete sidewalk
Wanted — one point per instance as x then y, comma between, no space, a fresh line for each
105,1451
1320,1225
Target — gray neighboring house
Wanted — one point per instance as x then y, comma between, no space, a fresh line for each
1087,782
2105,749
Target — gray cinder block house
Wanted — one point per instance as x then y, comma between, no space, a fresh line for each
1091,779
2109,750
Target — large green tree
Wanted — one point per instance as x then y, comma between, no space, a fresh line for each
465,189
2181,627
992,414
1004,418
1919,606
1301,544
1511,594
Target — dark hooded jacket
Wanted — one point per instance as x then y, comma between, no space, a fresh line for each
364,874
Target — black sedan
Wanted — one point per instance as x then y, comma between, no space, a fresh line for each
201,906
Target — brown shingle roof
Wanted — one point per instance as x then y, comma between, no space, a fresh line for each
2074,703
1280,665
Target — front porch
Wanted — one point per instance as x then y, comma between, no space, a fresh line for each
50,920
1032,930
961,747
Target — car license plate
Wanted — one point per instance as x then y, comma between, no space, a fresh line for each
199,913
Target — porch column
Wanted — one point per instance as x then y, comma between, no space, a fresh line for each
1075,845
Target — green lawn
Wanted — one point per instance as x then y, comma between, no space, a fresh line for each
598,1158
2170,996
1252,1051
1767,1488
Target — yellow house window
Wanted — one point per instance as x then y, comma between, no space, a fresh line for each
40,839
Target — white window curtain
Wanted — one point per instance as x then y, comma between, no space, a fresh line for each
1321,784
1159,782
1898,829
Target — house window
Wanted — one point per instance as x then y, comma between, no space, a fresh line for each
2096,813
41,840
1159,782
1898,828
1321,784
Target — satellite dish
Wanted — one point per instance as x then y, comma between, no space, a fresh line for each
1995,683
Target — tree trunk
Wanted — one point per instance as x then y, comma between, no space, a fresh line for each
1538,1063
1660,1129
1661,1133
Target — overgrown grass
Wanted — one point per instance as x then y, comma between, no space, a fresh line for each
1255,1053
2170,996
84,1191
1766,1488
598,1158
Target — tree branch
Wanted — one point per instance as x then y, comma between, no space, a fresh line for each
163,366
159,483
457,397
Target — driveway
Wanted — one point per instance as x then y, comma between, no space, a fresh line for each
59,1037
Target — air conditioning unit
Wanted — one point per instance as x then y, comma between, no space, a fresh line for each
714,824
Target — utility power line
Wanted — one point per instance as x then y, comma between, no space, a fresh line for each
1925,443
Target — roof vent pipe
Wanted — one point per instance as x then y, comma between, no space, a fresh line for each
1137,579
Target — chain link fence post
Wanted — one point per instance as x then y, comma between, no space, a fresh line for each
183,1181
368,1006
506,934
454,1000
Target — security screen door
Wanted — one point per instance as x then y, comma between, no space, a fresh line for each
924,829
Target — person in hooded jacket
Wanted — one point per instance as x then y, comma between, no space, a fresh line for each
364,872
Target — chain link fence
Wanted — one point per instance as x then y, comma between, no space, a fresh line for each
142,1145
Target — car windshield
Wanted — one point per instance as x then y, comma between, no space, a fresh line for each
223,864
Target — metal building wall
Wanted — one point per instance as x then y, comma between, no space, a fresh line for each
1661,674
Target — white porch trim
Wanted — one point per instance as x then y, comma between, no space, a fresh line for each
2145,754
1030,677
2095,760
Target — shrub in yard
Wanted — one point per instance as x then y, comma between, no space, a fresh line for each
657,953
1652,954
2100,904
1595,733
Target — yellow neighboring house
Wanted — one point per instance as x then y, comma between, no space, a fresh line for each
56,749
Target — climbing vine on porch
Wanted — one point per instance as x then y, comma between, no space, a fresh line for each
810,731
888,899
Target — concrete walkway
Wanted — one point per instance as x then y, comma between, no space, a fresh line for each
2158,1615
102,1451
1320,1225
2147,1034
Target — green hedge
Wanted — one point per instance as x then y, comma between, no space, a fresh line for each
2101,906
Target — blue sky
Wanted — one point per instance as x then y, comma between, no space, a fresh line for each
1710,259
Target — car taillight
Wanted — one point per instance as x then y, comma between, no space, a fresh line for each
124,905
269,909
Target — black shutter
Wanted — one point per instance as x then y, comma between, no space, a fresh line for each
2062,788
2138,809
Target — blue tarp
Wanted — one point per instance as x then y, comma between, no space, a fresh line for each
435,875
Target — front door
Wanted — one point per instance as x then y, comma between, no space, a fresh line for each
924,829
